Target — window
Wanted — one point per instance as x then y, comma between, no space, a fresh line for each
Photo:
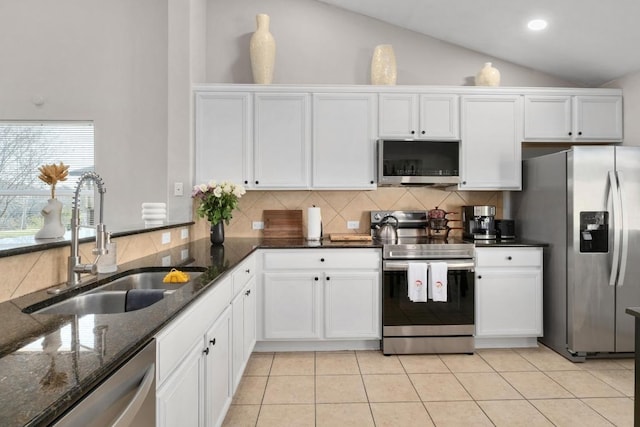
25,146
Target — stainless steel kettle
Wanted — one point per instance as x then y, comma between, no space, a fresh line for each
385,231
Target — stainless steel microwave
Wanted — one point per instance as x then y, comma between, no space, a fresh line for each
419,162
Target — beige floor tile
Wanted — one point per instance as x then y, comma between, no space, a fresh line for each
293,364
438,387
461,414
405,414
287,415
487,386
583,384
336,363
569,412
423,364
536,385
343,414
389,388
513,413
374,362
250,391
546,359
618,410
340,389
621,380
506,360
242,416
289,389
627,363
600,364
258,364
465,363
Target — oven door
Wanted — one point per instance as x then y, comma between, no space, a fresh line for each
401,317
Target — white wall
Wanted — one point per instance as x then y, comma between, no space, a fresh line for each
321,44
630,86
97,60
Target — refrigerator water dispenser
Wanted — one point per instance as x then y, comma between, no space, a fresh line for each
594,231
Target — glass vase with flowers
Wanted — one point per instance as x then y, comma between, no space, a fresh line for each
216,203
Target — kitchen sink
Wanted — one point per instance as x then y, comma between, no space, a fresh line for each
112,297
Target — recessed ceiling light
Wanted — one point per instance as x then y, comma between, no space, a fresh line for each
537,24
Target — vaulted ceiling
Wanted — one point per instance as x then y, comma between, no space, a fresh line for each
589,42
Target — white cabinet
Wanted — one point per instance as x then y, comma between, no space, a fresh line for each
424,116
223,136
244,328
217,354
508,292
491,135
282,134
344,136
572,118
322,294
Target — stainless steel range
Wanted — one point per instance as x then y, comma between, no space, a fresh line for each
425,327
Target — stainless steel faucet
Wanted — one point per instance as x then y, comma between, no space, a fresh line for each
75,267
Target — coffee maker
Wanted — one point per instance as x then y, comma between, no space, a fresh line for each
479,222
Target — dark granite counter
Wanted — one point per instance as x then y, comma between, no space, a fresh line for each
48,362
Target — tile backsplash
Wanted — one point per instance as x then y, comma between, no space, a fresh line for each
338,207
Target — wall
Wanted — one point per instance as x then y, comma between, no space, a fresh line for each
630,85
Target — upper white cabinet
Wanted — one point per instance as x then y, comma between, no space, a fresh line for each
425,116
344,135
572,118
491,131
282,134
223,135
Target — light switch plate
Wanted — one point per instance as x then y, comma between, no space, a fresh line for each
184,233
353,225
178,189
184,254
166,238
257,225
166,261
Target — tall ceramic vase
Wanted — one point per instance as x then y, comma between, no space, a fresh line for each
383,65
262,50
52,228
217,233
488,76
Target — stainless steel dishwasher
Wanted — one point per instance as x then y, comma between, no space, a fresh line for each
126,398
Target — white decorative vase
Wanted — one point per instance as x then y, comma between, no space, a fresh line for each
488,76
262,50
383,65
52,228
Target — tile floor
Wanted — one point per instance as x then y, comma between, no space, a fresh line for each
506,387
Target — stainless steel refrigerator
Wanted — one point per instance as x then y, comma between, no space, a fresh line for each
585,203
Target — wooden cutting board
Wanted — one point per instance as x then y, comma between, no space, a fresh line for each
349,237
282,224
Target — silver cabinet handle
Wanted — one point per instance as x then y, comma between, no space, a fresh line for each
128,414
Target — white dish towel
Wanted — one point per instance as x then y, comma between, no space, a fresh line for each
417,281
438,281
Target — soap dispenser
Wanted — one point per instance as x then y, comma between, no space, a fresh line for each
108,263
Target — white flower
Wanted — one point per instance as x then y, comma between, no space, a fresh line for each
217,191
212,183
202,187
226,187
238,191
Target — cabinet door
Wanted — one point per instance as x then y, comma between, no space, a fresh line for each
547,118
281,140
244,329
291,305
180,399
491,142
398,115
249,321
508,302
598,118
344,141
352,305
439,117
218,390
223,137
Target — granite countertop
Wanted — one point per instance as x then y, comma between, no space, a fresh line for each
48,362
634,311
44,369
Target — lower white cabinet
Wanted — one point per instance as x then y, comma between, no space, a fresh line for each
217,353
303,301
244,329
508,292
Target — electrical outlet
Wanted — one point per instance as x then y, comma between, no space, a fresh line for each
184,233
166,238
166,261
353,225
178,189
184,254
257,225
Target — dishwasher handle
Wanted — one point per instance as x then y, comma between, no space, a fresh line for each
125,419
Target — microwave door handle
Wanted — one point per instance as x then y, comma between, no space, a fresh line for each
625,230
617,220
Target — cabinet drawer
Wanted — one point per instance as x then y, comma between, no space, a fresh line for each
174,340
243,273
508,257
321,259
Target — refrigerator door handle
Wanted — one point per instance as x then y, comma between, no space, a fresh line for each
625,231
617,218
